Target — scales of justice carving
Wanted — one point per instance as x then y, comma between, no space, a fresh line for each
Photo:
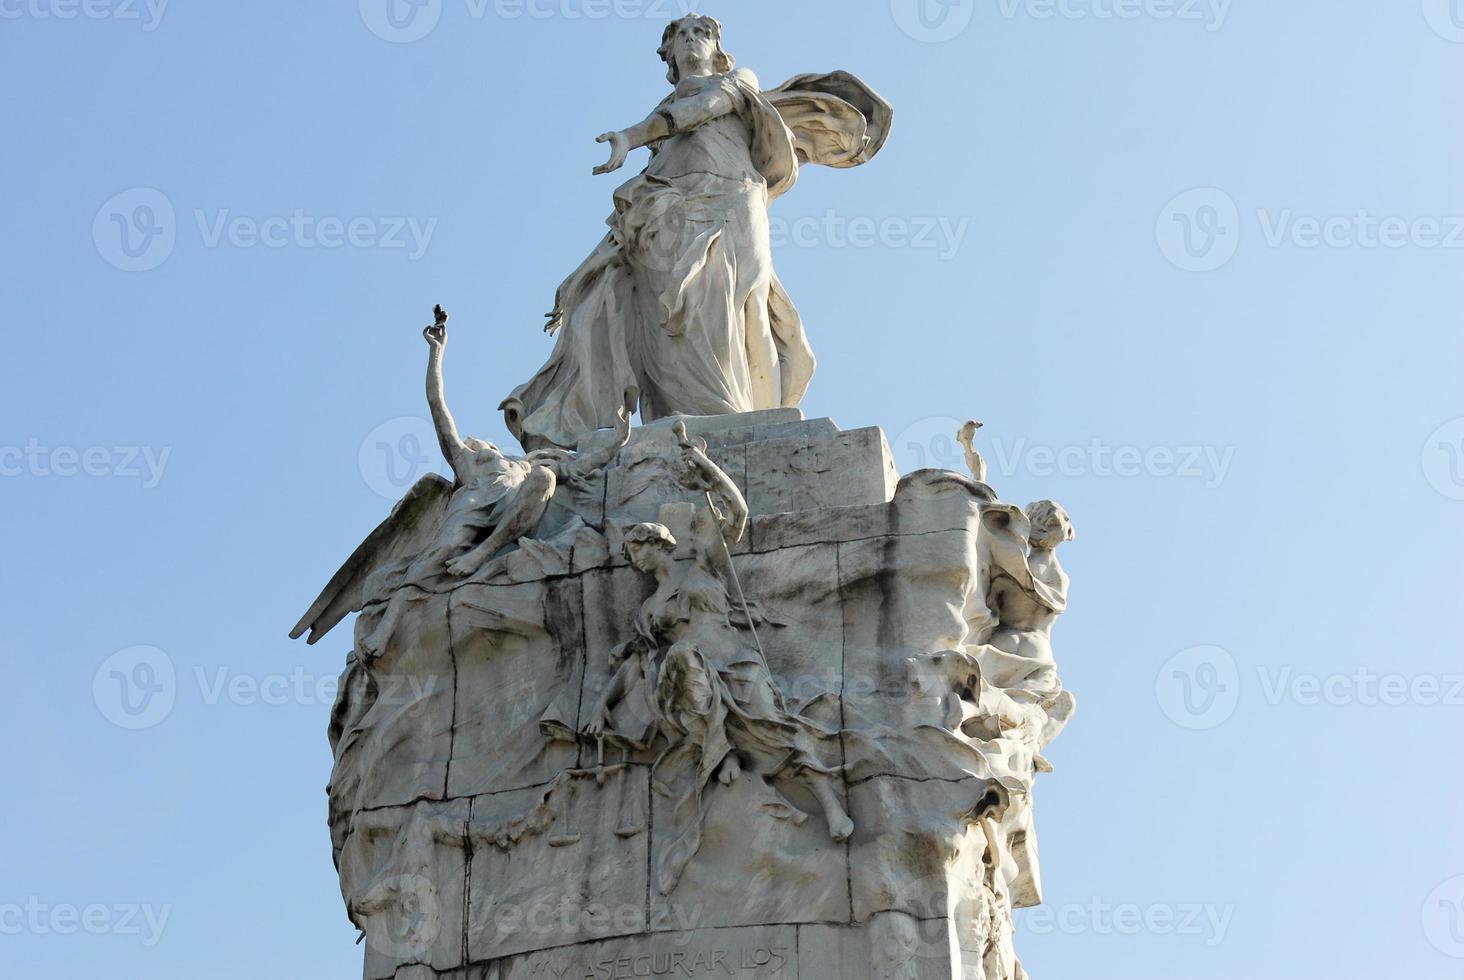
653,701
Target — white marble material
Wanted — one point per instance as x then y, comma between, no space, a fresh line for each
722,695
877,625
678,310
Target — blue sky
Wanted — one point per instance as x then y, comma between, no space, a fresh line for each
1197,266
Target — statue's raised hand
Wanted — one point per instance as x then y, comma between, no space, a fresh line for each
619,150
436,334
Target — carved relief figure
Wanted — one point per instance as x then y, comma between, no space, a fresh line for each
1027,597
679,309
975,462
703,683
443,532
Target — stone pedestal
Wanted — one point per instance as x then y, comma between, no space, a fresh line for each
478,837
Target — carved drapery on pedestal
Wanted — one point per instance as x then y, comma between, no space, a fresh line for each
485,827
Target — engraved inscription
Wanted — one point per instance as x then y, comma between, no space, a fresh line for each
763,961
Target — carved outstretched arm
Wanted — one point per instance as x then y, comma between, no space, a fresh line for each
677,116
703,474
447,433
589,463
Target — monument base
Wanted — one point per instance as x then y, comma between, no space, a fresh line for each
486,828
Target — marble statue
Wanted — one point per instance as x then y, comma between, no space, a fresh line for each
723,694
1027,593
444,531
679,310
975,462
704,680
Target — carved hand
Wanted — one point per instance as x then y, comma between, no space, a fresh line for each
619,150
599,722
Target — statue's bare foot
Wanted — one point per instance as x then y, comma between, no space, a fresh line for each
464,566
730,771
841,828
371,647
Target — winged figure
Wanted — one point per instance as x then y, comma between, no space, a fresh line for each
443,532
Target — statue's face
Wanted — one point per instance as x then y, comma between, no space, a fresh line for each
1055,528
693,45
643,556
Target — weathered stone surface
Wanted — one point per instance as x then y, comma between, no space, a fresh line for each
403,874
580,876
515,649
873,620
398,742
753,870
891,946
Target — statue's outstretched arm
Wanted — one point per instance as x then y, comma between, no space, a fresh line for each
448,438
677,116
703,474
592,462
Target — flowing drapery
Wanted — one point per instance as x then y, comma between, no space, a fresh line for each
668,313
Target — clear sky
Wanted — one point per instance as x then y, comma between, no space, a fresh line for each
225,224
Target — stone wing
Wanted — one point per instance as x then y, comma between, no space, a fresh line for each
410,530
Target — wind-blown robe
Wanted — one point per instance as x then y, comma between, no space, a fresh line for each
657,316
